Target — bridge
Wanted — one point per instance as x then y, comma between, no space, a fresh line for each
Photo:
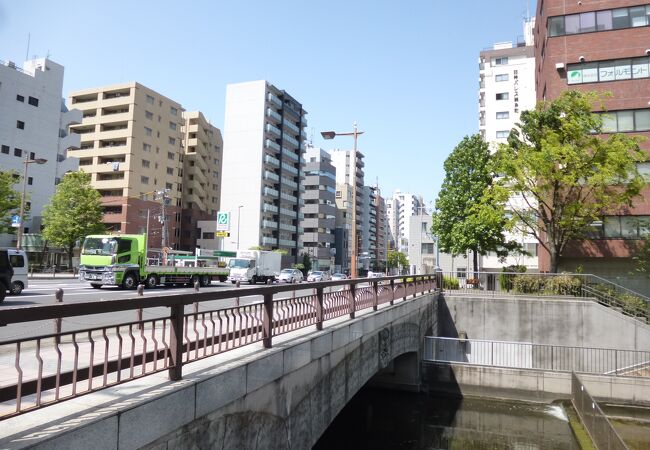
271,374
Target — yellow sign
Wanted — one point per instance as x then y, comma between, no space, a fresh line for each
223,234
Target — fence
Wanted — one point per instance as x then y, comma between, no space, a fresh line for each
549,284
600,429
60,366
523,355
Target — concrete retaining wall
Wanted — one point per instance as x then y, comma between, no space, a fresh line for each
579,323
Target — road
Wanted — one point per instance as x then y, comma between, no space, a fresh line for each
41,292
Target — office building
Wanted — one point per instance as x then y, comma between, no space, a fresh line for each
601,46
399,208
34,124
262,177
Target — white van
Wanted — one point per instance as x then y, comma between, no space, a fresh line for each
18,260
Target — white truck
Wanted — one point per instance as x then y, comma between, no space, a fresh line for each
254,266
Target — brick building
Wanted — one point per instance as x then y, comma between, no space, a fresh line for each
601,46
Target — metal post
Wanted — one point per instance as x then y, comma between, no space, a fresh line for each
353,263
392,292
196,304
319,308
58,298
353,290
19,235
237,285
375,299
176,343
139,310
404,284
267,324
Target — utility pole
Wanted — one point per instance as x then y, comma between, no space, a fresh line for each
163,195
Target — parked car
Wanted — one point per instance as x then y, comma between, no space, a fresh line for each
339,276
18,261
319,275
290,276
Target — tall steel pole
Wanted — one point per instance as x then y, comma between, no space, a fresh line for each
353,263
19,236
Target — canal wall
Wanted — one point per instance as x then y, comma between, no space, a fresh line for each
541,320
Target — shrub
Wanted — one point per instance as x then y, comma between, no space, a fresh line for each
527,284
505,279
449,282
563,285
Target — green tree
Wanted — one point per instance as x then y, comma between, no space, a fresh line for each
559,174
9,201
74,212
397,259
468,216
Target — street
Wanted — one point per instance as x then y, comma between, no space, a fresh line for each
41,292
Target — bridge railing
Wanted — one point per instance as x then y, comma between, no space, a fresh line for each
580,285
49,368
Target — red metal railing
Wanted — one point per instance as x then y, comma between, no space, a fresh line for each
58,366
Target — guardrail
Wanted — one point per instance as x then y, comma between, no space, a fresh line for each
59,366
579,285
600,429
524,355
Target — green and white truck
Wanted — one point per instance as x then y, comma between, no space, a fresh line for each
122,260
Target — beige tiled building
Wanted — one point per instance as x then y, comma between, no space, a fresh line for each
148,158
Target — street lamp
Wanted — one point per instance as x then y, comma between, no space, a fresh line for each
238,214
355,134
19,236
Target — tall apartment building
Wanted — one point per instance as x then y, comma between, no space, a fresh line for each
134,142
601,46
341,159
506,88
261,183
319,210
399,209
380,254
34,124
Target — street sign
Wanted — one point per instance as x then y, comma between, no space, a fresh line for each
223,221
223,234
15,221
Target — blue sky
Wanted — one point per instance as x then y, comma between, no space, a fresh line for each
405,70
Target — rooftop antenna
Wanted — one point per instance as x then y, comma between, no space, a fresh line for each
27,52
311,137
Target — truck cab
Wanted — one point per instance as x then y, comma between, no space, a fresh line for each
111,260
241,269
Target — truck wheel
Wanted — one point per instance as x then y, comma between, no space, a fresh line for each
194,279
233,282
151,281
96,286
223,278
253,280
205,280
16,288
129,281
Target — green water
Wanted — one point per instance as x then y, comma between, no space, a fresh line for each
378,419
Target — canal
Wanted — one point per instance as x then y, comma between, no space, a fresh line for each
379,419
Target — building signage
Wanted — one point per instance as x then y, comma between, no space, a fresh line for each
516,78
223,234
15,221
223,221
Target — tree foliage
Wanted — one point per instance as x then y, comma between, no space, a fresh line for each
468,216
397,259
9,201
74,212
559,175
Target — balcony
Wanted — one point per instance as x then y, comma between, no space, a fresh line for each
291,140
287,243
272,145
291,155
287,182
270,160
288,212
290,169
267,208
287,227
273,130
269,240
275,100
289,198
268,175
270,192
290,125
273,115
269,224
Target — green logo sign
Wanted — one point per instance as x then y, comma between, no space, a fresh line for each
223,221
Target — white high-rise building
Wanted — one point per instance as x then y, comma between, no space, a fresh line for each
34,125
399,209
506,88
262,171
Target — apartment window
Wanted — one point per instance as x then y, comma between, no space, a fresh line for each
144,180
173,111
20,98
172,141
501,61
427,249
172,125
338,194
501,77
18,152
33,101
207,235
30,180
502,96
170,171
146,147
503,115
170,155
32,155
148,115
503,134
150,99
5,149
148,131
169,186
20,124
461,272
146,163
624,121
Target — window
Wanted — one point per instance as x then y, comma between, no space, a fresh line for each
30,180
503,134
172,125
588,22
146,163
148,115
172,141
620,18
144,180
20,98
173,111
207,235
170,155
170,171
427,249
572,24
501,77
20,124
150,99
502,96
18,152
503,115
5,149
169,186
604,20
625,121
556,26
32,155
146,147
611,19
501,61
33,101
16,261
461,272
148,131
